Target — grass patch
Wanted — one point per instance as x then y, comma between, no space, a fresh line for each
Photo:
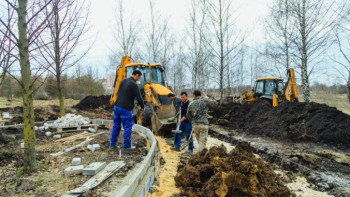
20,171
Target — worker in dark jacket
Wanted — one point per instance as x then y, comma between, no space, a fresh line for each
176,102
184,125
127,92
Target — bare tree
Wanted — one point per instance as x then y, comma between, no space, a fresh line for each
197,49
280,31
158,28
314,21
125,32
31,22
65,31
6,46
222,23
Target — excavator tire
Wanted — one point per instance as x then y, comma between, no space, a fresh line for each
146,116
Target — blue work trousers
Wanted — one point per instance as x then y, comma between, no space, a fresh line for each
186,129
120,116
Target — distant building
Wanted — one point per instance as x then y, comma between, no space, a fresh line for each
108,83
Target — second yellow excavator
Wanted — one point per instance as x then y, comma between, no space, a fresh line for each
272,90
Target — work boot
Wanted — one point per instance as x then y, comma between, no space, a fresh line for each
175,149
112,147
189,151
130,148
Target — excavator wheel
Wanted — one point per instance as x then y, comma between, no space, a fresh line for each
146,116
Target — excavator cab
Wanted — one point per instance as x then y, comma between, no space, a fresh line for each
266,87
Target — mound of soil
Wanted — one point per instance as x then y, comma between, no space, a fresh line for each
297,122
94,102
215,172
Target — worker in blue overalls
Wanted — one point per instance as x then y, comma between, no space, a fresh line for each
127,92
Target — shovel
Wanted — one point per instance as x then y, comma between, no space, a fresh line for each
187,142
177,130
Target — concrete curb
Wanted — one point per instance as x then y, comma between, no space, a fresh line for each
141,178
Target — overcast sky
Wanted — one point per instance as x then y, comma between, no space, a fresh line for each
250,18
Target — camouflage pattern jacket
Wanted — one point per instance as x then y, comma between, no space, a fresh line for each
197,112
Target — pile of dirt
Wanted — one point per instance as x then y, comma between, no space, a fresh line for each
297,122
94,102
215,172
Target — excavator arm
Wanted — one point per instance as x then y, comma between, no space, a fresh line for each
118,77
290,90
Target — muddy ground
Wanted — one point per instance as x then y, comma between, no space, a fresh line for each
50,179
326,169
294,122
216,172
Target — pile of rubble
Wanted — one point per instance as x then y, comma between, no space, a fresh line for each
69,120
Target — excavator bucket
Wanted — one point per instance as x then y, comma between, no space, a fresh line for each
163,121
156,124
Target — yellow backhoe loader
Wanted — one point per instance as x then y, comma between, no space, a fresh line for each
272,90
154,90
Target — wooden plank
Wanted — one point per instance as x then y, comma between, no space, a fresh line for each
75,137
79,137
108,171
72,148
78,127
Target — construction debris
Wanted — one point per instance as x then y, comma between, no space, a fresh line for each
76,161
91,130
94,168
96,146
108,171
79,136
57,136
72,148
238,173
72,170
48,133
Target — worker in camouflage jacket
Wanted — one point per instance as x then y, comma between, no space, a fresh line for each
197,114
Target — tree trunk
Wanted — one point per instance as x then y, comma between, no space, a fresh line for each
60,96
28,108
348,86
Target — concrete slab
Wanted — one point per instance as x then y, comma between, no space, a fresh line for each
91,130
72,170
94,181
57,136
90,147
76,161
94,168
96,146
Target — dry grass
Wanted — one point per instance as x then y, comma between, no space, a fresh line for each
18,102
340,101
